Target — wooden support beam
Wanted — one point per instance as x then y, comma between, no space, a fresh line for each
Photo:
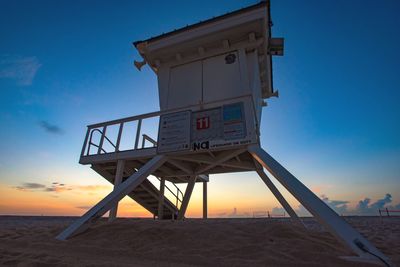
279,196
181,165
117,181
221,158
161,200
319,209
111,199
208,160
204,200
186,197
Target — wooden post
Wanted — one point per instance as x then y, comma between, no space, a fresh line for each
204,200
161,200
279,196
111,199
118,179
325,215
186,197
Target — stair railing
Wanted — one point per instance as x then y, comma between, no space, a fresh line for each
179,193
145,138
100,146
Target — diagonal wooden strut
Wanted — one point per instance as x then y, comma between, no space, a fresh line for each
111,199
224,156
325,215
186,197
279,196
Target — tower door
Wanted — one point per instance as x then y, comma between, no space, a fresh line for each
185,85
221,77
203,81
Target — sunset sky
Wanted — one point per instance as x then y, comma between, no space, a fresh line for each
335,126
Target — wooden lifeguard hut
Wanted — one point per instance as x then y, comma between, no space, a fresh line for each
213,80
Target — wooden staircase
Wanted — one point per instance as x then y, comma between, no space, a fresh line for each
146,194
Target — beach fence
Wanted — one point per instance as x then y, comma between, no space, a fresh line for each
386,212
267,214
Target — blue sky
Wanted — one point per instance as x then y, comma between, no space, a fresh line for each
64,65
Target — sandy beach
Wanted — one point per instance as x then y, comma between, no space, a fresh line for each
30,241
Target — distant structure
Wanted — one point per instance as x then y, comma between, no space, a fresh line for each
213,79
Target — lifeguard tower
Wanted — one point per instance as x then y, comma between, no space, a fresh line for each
213,80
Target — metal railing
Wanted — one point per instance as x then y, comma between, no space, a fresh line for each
100,146
101,128
179,193
115,144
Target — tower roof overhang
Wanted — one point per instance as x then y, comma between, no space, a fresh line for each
248,28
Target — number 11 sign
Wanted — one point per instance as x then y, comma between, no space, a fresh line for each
203,123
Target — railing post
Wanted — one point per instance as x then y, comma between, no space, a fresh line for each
139,126
85,142
102,139
121,127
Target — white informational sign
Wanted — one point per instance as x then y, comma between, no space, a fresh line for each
174,132
234,126
218,127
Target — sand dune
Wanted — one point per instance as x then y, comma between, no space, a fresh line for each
30,241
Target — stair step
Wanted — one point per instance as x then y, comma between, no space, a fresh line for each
146,194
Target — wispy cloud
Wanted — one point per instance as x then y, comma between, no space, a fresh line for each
30,186
18,68
50,128
57,187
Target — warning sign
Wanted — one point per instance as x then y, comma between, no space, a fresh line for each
174,132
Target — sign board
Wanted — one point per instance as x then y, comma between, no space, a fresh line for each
215,128
174,132
218,127
233,118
